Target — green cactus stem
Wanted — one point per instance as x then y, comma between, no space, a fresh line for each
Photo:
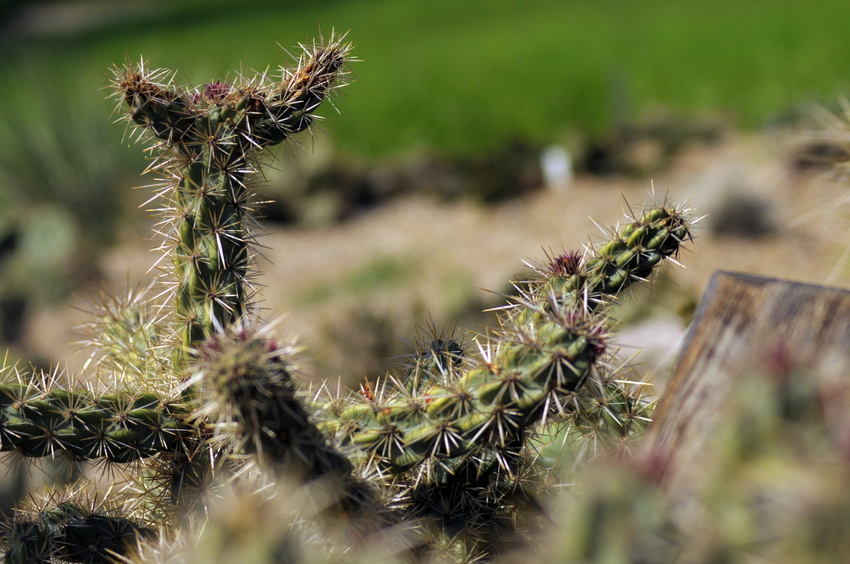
48,421
70,531
248,395
631,255
210,142
491,405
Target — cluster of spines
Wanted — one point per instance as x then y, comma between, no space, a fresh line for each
41,418
608,419
66,526
126,339
210,144
631,254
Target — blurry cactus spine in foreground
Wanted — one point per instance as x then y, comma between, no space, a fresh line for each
197,401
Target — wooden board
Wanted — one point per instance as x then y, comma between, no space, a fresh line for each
740,322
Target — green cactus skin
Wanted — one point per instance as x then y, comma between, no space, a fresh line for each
210,144
631,255
70,532
118,427
490,405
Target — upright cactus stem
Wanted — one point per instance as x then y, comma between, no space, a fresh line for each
210,143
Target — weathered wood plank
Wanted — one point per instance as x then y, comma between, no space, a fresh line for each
742,320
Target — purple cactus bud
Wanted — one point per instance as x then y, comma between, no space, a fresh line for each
566,264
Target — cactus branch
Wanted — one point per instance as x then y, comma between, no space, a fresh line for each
630,255
210,144
491,405
246,389
68,527
41,419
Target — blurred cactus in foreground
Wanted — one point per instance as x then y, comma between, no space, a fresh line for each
194,407
778,489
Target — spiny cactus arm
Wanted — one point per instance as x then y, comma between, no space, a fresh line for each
535,367
291,105
46,420
246,387
631,255
60,529
163,109
210,145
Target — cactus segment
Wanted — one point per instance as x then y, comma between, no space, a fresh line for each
47,421
631,255
536,367
68,531
211,143
246,390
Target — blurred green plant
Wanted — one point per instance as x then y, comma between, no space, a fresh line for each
777,490
56,148
60,162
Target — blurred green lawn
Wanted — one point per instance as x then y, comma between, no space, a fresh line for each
460,75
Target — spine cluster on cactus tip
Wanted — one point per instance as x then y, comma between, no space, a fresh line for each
630,254
210,142
247,393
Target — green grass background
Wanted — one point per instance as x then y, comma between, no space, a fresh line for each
460,75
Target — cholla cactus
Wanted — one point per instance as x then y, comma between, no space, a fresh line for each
210,141
441,459
776,489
